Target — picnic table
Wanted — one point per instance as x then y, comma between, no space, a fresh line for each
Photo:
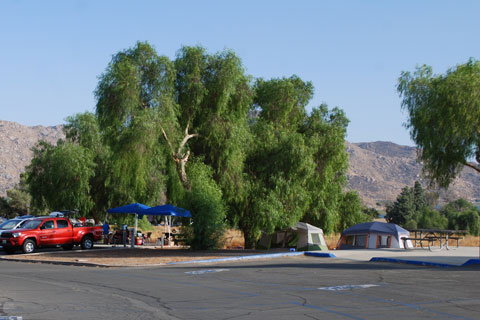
171,238
430,236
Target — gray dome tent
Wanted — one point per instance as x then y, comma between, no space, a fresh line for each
371,235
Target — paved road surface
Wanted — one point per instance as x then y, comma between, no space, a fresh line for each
285,288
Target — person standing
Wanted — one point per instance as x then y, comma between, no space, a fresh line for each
106,231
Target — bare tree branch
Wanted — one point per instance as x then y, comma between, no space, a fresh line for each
474,167
185,139
179,157
166,139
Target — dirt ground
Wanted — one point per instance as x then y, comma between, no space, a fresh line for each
144,256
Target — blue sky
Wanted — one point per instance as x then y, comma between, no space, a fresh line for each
353,51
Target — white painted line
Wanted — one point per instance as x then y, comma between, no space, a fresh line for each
348,287
206,271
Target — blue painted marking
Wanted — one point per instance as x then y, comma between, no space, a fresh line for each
471,261
414,262
320,254
327,310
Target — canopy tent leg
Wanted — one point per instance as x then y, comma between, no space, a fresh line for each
169,228
132,236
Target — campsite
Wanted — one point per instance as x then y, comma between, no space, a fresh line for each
237,160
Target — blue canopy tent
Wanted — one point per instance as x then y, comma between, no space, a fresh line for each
140,210
129,208
136,208
167,210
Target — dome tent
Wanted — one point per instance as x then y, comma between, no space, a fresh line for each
372,235
302,236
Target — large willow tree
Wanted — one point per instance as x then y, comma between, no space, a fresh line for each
297,163
157,114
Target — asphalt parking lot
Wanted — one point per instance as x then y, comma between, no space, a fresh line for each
284,288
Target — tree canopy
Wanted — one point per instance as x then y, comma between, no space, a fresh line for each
444,118
58,177
200,133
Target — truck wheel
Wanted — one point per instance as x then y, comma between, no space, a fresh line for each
29,246
87,242
67,246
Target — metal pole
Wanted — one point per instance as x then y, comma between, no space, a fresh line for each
134,231
124,233
169,228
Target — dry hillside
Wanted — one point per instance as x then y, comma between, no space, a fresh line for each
16,142
378,170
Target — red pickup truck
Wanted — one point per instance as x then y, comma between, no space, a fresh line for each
49,232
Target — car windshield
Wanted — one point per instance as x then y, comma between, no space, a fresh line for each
10,224
31,224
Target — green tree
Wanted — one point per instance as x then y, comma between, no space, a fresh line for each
403,209
297,162
462,215
371,213
83,129
195,106
444,118
135,102
214,96
419,198
19,200
408,208
278,168
5,209
58,177
205,202
431,219
324,132
351,211
282,101
279,162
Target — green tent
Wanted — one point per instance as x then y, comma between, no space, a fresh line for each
302,237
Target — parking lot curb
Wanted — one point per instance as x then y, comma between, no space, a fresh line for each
472,262
320,254
259,256
61,263
414,262
252,257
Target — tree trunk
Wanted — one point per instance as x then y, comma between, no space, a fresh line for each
181,157
182,173
250,241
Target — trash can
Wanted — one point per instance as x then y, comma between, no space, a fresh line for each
124,235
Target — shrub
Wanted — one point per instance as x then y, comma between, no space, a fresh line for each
432,219
207,208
